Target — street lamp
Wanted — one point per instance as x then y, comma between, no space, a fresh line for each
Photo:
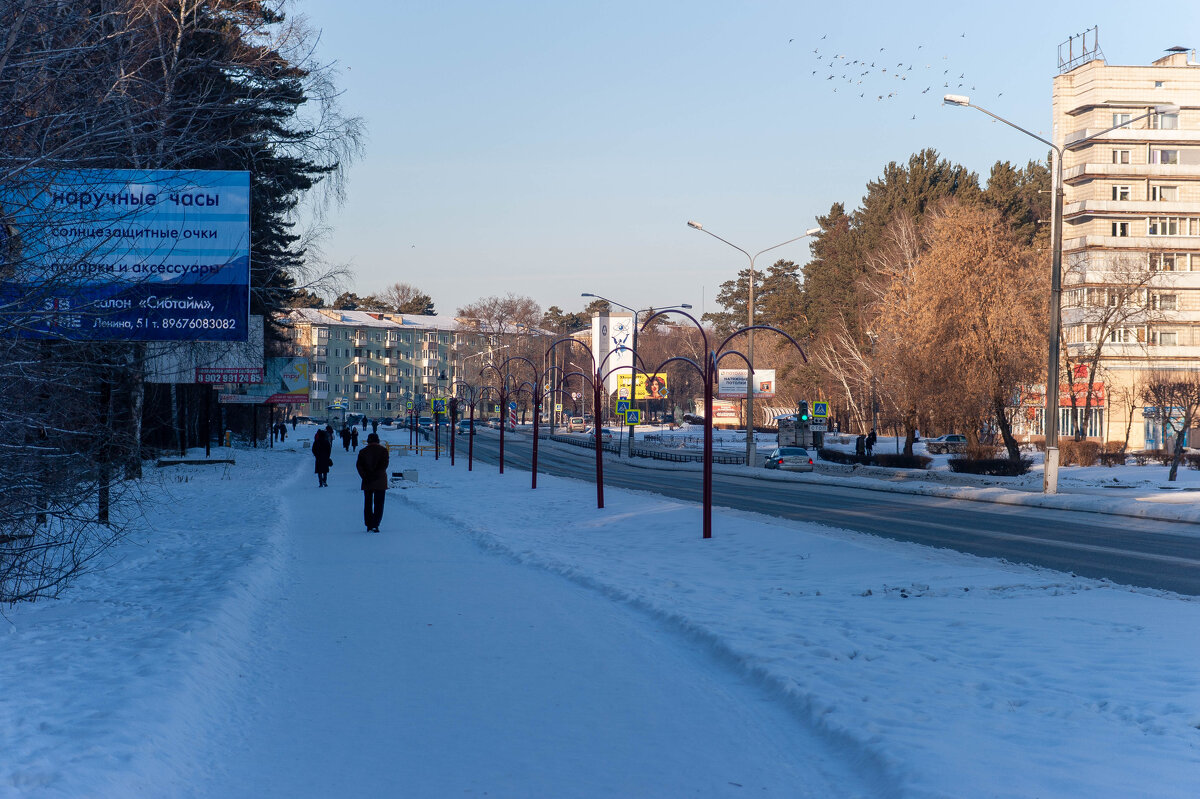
750,454
633,362
1050,474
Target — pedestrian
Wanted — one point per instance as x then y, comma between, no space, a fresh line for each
372,467
282,431
329,433
346,438
375,426
364,424
322,448
860,445
354,439
870,442
293,424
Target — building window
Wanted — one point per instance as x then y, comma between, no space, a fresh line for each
1164,302
1164,122
1161,156
1166,226
1121,193
1166,194
1122,335
1158,84
1120,156
1120,229
1166,338
1121,119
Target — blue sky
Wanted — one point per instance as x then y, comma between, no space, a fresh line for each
552,148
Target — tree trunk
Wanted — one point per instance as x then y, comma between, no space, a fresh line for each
1010,443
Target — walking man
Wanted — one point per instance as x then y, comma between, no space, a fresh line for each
354,438
870,442
372,467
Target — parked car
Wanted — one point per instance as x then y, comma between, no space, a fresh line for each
605,435
576,424
951,442
304,420
789,459
386,420
693,418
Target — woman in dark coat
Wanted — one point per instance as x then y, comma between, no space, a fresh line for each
321,450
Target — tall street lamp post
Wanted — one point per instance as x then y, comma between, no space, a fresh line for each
750,453
633,365
1050,475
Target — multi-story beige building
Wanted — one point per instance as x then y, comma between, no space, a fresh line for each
1131,233
377,362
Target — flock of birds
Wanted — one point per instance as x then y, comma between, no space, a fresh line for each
883,76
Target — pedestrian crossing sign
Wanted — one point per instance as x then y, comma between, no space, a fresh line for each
633,416
820,410
439,404
622,406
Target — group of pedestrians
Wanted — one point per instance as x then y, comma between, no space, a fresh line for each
372,467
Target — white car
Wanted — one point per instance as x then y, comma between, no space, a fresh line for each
789,459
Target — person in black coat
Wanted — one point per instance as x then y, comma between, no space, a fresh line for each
372,467
354,438
346,437
321,450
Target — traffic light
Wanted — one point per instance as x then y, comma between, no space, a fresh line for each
802,411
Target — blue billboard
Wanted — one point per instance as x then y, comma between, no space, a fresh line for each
121,254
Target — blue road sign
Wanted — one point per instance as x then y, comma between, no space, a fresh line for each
820,410
622,406
633,416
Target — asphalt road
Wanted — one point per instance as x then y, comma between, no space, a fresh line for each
1148,554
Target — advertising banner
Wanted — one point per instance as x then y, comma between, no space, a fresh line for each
731,383
285,382
725,411
647,387
122,254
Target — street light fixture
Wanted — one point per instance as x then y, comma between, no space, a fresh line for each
1050,474
633,362
750,453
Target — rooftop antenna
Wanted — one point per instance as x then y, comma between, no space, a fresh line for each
1080,49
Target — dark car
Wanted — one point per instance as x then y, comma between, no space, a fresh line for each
951,442
789,459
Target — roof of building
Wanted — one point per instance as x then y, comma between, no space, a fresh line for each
332,316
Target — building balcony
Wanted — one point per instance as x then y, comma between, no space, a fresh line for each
1134,135
1081,172
317,395
321,357
1120,208
1155,243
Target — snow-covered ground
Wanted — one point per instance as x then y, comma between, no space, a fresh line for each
250,640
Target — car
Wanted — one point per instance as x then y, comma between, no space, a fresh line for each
465,426
425,422
386,420
605,435
789,459
951,442
494,423
576,424
304,420
693,418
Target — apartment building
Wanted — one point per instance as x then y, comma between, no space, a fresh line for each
1131,232
377,362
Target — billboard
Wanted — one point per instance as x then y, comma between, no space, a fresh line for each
731,383
124,254
647,387
612,343
285,382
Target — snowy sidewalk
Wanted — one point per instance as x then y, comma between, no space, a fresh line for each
413,663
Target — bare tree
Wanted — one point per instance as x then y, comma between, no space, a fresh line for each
1175,397
1108,300
405,298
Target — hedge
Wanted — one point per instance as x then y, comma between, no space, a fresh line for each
898,460
1003,467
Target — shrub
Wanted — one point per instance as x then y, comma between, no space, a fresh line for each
1114,446
1112,458
1003,467
898,460
1193,460
981,452
837,456
1038,444
1141,457
1078,453
1164,456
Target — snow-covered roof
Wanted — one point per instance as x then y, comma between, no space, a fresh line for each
391,321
